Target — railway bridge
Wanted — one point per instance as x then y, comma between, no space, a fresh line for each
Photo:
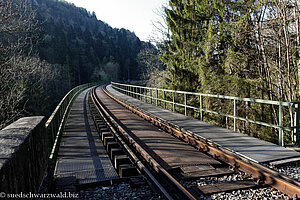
100,136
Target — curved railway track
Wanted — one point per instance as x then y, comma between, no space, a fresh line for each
117,129
167,181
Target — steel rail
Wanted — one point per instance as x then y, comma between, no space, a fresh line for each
265,175
156,166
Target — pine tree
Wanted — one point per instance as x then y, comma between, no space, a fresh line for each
203,42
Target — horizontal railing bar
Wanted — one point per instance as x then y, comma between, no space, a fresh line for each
286,104
235,117
61,102
210,111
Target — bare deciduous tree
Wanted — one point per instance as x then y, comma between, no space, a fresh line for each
19,70
154,75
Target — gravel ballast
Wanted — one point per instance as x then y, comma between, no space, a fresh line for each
291,170
120,191
264,193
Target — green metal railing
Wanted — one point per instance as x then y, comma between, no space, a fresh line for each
152,94
56,122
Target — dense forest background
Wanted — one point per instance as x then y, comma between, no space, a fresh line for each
48,47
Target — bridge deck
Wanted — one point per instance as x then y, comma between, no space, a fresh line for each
249,147
81,153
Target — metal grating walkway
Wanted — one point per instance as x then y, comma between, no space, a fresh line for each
81,152
251,148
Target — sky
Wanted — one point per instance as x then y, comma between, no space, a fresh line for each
134,15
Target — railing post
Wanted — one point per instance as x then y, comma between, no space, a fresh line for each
52,133
201,107
150,95
164,96
185,111
147,96
156,95
173,99
234,114
280,130
56,125
132,91
139,93
296,124
59,114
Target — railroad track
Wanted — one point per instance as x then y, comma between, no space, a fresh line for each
173,182
119,133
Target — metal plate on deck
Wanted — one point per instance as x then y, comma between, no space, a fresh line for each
175,161
196,168
79,164
92,176
205,173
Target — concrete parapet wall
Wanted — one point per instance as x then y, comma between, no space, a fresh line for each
23,155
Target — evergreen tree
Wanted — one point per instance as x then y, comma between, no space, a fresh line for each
203,42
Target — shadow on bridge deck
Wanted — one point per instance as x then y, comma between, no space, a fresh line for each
81,152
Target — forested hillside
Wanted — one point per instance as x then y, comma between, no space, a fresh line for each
238,48
50,46
87,47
